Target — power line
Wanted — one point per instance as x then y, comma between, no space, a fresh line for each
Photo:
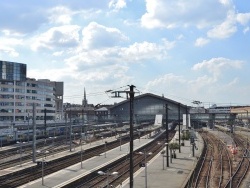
169,95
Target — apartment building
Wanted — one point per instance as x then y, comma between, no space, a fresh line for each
18,94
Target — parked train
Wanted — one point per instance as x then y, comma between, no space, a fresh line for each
9,136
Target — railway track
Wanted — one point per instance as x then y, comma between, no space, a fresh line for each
19,155
122,167
242,161
21,177
243,165
225,166
214,167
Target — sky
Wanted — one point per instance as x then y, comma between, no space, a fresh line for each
195,50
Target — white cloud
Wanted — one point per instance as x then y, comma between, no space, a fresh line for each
10,33
243,18
201,42
59,53
146,50
216,65
206,87
99,36
117,4
179,13
135,53
107,74
8,41
166,79
246,30
179,37
226,2
8,50
225,29
60,15
52,74
233,82
63,36
8,45
87,59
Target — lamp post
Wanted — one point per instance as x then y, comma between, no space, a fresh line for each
70,134
163,151
1,140
107,174
139,134
43,163
53,141
105,148
82,151
179,122
20,151
120,142
145,163
167,135
28,127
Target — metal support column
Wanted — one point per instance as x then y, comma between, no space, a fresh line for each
34,134
131,94
167,137
179,122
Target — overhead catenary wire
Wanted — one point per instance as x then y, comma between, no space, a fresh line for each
188,100
140,90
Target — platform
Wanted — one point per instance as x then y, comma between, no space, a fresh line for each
174,176
69,174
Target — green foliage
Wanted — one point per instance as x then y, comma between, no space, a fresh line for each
185,135
174,145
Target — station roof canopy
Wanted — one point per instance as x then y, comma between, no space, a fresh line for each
153,96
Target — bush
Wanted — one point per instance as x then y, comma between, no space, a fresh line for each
185,136
174,145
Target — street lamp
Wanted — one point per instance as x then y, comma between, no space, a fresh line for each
145,163
20,151
105,148
28,127
82,151
43,162
120,142
53,141
163,152
1,140
107,174
139,133
167,135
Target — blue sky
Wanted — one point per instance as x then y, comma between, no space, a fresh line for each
184,50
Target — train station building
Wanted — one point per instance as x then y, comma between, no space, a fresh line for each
146,107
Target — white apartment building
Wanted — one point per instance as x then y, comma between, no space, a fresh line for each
18,94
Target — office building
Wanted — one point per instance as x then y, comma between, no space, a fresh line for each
18,94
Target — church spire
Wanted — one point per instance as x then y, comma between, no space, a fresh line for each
84,101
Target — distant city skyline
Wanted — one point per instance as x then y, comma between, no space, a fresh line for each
184,50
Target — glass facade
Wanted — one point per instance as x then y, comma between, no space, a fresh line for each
18,94
12,71
146,107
